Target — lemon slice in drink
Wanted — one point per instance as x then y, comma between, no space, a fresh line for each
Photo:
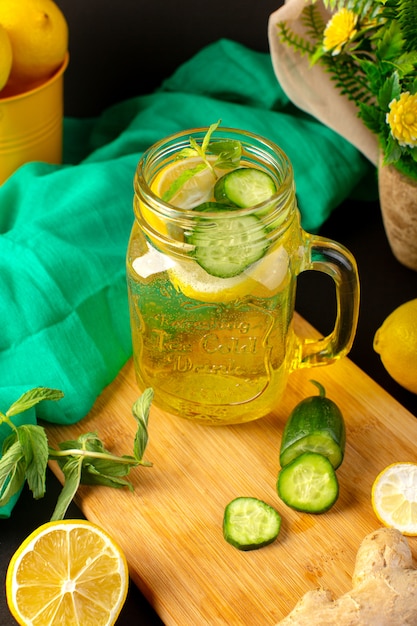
67,572
263,279
185,183
394,497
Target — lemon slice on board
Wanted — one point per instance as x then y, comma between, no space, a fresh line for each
394,497
70,573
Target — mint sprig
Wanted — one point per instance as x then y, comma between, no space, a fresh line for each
228,151
25,454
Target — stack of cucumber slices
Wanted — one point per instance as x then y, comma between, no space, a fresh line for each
225,244
312,448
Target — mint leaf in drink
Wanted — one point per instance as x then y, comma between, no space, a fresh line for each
228,151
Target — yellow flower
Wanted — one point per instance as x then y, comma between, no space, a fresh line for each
339,30
402,119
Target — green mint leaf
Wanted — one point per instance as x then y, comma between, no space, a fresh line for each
197,149
107,475
229,153
9,441
108,466
98,465
87,441
12,471
34,444
208,135
72,474
32,397
185,153
140,412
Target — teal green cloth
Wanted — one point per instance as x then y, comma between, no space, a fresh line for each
64,229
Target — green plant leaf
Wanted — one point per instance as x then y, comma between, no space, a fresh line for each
372,117
32,397
140,410
390,44
12,472
34,444
392,151
106,474
25,454
72,474
389,91
229,153
407,63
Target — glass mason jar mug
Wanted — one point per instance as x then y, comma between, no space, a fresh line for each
212,285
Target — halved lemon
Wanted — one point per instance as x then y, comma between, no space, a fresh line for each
394,497
69,572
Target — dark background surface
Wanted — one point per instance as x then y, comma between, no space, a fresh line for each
119,50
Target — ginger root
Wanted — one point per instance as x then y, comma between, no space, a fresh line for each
384,589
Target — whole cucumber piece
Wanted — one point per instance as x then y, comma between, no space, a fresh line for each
317,425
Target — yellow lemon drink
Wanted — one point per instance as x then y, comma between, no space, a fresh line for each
211,262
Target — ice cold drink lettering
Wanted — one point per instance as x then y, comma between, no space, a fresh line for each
216,354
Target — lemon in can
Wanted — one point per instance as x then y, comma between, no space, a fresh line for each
5,57
38,34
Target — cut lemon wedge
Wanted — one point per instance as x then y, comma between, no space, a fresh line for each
70,573
394,497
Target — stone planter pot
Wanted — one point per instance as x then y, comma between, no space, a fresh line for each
398,200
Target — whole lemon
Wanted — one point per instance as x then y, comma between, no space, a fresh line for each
396,343
38,33
5,57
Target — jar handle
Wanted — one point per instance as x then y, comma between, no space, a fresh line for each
333,259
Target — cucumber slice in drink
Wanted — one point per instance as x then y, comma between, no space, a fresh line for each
224,247
250,523
244,187
308,484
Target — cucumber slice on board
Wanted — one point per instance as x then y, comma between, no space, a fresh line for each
308,484
316,424
244,187
250,523
226,246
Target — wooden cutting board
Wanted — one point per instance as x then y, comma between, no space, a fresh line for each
170,527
